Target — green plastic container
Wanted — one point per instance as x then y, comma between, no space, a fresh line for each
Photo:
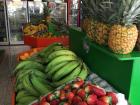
121,71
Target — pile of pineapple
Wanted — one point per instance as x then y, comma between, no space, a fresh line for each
113,23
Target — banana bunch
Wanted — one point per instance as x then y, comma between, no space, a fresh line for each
30,29
63,65
30,82
35,78
42,27
65,71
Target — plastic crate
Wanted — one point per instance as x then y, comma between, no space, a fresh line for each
44,42
121,71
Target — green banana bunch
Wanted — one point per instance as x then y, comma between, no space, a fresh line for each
34,78
41,56
46,51
84,72
56,48
21,65
65,70
49,73
25,65
39,74
20,75
19,86
26,100
70,77
21,94
59,59
40,85
59,53
29,86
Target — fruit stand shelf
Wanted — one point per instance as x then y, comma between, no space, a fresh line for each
132,56
121,71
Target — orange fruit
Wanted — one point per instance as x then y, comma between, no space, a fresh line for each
22,57
26,54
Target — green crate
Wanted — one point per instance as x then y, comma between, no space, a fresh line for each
121,71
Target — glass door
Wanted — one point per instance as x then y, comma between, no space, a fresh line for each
74,12
17,17
35,9
59,12
3,24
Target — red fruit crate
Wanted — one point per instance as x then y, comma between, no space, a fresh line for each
13,99
44,42
28,40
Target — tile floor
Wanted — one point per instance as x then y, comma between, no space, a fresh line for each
7,65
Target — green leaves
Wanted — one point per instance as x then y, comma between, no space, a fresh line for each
132,12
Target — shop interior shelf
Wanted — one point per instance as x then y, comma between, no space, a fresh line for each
121,71
132,56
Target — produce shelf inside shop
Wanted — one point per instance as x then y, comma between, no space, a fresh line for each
121,71
135,55
132,56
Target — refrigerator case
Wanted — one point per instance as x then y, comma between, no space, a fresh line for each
3,24
36,11
74,12
59,12
17,17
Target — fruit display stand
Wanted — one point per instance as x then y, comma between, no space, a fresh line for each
121,71
92,78
44,42
26,54
16,97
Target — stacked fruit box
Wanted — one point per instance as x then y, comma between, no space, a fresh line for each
46,41
45,33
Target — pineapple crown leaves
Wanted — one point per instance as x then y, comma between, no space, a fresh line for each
131,16
85,6
47,10
100,10
104,10
126,12
61,26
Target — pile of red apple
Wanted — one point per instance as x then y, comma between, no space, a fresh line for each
80,92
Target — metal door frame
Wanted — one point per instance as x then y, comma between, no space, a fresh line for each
6,25
8,21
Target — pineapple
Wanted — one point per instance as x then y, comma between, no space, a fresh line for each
88,26
97,28
122,39
101,33
138,40
123,33
85,23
